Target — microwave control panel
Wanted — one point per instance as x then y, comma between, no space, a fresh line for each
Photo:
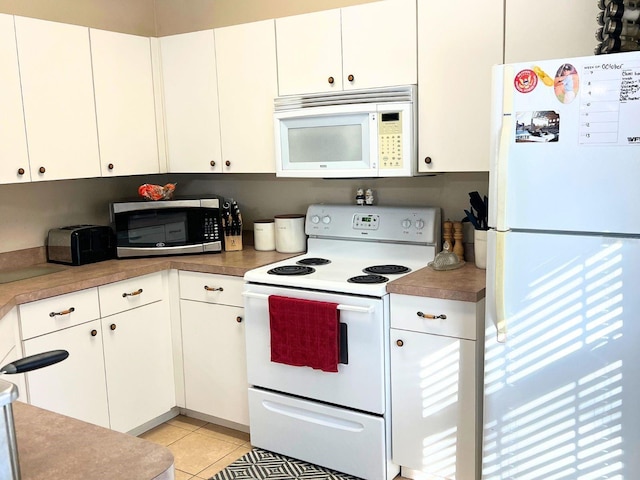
210,227
390,140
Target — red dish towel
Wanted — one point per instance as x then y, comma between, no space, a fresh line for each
304,333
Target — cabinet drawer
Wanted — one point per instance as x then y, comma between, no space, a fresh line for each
210,288
127,294
63,311
460,321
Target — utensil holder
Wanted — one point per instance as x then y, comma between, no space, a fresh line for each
480,248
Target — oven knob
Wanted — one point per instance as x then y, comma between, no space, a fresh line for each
406,223
419,224
315,219
326,219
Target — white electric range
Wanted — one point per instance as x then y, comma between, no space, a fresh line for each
338,420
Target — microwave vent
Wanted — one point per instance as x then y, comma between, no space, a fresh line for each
402,94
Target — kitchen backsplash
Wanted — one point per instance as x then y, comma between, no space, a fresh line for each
29,210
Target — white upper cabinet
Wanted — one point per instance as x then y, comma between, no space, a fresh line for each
379,44
125,108
550,30
57,91
455,56
190,88
309,52
363,46
247,85
14,160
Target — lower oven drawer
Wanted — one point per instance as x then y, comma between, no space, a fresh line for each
336,438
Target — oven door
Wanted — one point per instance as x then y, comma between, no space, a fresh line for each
358,384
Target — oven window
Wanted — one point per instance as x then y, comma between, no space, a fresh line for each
169,228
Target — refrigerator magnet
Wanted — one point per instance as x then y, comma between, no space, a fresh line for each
525,81
566,83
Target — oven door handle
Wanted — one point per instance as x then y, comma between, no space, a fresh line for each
346,308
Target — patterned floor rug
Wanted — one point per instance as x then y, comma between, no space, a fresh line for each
261,464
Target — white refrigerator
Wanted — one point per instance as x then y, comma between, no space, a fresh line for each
562,353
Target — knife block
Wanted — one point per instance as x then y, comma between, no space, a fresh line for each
232,243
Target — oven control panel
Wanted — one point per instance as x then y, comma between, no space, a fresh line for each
420,225
368,221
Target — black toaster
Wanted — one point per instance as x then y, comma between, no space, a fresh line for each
80,244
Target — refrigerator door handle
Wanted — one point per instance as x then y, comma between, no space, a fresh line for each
495,294
503,77
501,317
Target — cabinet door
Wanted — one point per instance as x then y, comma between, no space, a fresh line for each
57,92
76,386
247,84
309,52
550,30
138,363
379,44
14,160
125,107
11,349
191,102
433,397
455,56
214,360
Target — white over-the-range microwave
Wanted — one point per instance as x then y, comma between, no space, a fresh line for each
357,133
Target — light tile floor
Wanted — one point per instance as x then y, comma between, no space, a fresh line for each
200,449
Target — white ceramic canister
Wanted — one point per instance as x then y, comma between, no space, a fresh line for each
480,248
264,235
290,237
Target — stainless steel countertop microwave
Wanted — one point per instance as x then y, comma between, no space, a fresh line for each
167,227
356,133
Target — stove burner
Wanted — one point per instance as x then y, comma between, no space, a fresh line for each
313,261
291,270
368,279
387,269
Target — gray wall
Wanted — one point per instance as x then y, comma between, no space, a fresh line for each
28,211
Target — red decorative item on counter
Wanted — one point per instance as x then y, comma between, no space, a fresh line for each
157,192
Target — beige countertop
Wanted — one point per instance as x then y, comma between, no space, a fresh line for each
465,284
56,447
74,278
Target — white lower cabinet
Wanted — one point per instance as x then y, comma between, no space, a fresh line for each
11,349
119,372
213,344
436,387
139,365
76,386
